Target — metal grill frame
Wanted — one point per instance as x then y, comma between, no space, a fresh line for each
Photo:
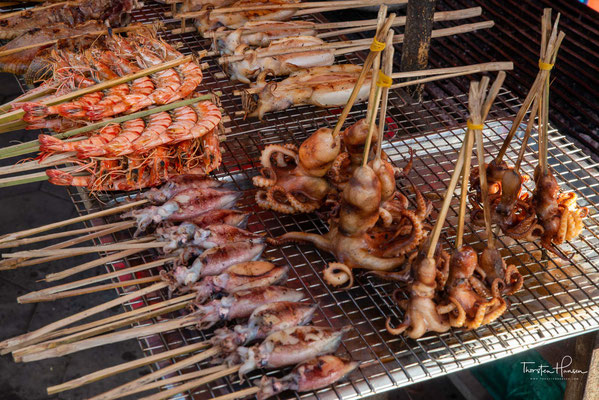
555,303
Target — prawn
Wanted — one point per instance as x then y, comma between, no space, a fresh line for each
212,154
209,116
185,119
121,145
50,144
155,133
192,77
113,103
71,110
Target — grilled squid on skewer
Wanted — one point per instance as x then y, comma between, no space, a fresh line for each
328,86
254,64
314,374
265,320
241,304
233,20
288,347
257,34
243,276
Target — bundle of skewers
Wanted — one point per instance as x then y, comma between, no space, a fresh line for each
548,215
225,282
142,148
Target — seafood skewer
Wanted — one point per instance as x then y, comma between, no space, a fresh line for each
314,374
238,305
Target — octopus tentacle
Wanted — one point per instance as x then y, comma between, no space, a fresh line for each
457,321
339,165
513,278
276,205
478,317
336,274
269,150
304,207
413,241
498,307
400,328
266,178
302,237
394,276
423,208
479,287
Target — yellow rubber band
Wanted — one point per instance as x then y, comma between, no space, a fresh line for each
545,66
383,80
376,45
474,127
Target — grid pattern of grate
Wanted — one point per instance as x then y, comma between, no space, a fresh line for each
556,302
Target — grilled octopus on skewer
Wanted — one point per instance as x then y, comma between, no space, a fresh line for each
468,300
292,180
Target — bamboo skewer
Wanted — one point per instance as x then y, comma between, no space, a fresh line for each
381,33
192,384
84,331
117,369
37,8
526,137
334,5
54,160
350,46
100,329
239,394
76,251
34,296
435,74
549,55
58,235
91,264
16,341
434,238
13,263
468,139
42,353
126,389
370,23
30,232
387,70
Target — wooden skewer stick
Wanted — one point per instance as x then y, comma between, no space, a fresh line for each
379,36
97,327
128,366
335,4
483,111
77,251
110,338
58,235
15,341
127,388
209,373
192,384
370,23
446,202
350,46
54,160
49,344
89,265
529,125
240,394
387,70
19,262
34,296
18,114
549,56
434,74
30,232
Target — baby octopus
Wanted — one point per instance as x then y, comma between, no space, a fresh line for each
294,180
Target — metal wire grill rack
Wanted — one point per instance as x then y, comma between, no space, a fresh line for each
558,300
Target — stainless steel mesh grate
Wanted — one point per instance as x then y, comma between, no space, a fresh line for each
557,301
